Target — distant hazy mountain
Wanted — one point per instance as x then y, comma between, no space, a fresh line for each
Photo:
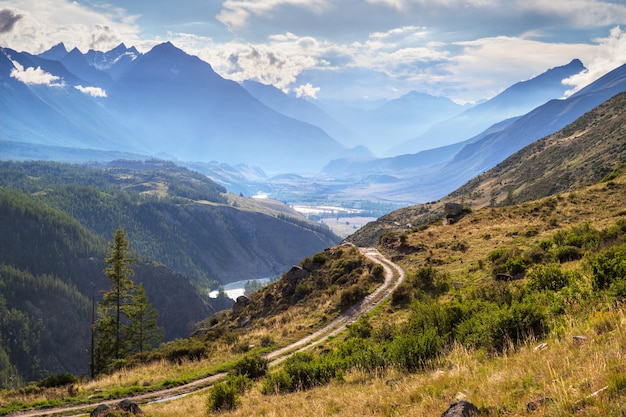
431,174
389,123
582,153
516,100
490,150
300,109
57,114
164,102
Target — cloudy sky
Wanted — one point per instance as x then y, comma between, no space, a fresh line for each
467,50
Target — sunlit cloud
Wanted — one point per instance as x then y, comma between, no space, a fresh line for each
46,23
306,90
610,54
236,13
92,91
35,76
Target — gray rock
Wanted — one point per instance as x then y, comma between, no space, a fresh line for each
461,409
100,410
129,406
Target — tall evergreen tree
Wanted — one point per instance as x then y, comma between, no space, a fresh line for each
143,331
127,322
114,310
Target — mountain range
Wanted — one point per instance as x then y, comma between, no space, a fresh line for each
163,102
431,174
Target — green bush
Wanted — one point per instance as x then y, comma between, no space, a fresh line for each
548,277
608,269
411,352
583,237
515,266
564,254
307,371
254,367
277,383
223,397
350,296
494,326
181,350
360,328
57,380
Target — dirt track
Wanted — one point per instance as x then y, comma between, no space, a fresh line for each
394,275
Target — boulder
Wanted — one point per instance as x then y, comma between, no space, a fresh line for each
452,209
240,303
100,410
461,409
297,273
129,406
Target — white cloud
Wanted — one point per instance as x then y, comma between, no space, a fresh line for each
306,90
46,23
610,54
35,76
92,91
236,13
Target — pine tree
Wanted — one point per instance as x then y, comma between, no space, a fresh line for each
143,331
127,322
114,310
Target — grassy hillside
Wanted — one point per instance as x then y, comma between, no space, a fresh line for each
516,306
175,216
580,154
50,266
552,337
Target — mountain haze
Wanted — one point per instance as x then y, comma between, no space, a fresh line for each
582,153
516,100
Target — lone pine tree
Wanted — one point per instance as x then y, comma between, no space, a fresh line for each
126,320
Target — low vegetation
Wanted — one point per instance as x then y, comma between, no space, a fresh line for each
452,330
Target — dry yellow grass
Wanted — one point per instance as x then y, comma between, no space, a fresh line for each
565,374
562,375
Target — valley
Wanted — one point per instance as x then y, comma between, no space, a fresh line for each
289,254
394,276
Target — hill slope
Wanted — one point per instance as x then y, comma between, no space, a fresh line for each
50,267
175,216
581,153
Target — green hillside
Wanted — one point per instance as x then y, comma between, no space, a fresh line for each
513,302
580,154
175,216
50,266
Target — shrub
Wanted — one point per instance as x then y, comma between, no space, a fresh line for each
57,380
411,352
277,383
608,269
402,294
378,273
307,371
564,254
254,367
494,326
223,397
351,296
360,328
548,277
583,237
181,350
515,265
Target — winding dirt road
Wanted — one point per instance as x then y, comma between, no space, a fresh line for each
394,275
